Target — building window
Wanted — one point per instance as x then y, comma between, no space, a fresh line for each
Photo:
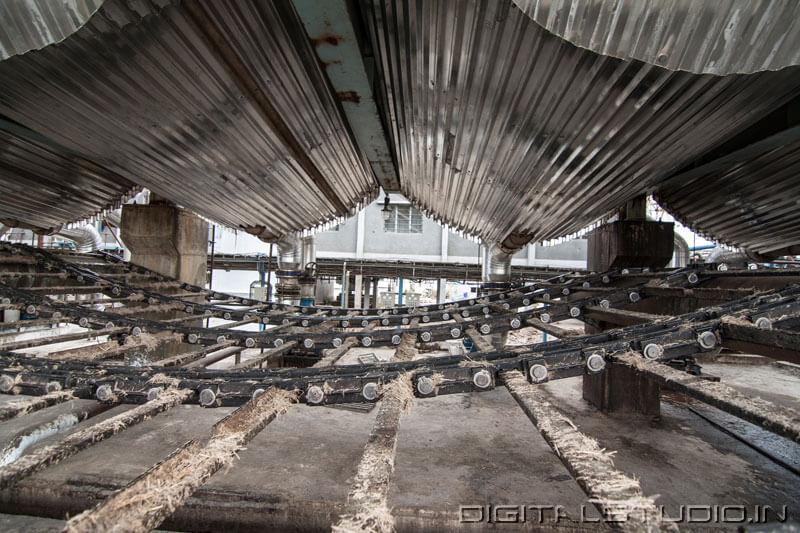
403,219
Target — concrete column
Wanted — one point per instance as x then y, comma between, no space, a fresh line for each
167,239
441,290
375,292
631,241
366,292
357,289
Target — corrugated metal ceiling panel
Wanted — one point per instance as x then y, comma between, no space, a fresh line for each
143,90
713,37
499,126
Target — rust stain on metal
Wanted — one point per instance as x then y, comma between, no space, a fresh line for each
327,38
349,96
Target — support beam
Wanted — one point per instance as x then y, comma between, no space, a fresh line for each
267,356
367,508
152,497
772,343
780,420
75,442
618,496
552,329
621,317
23,407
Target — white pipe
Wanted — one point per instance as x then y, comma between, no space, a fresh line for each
86,238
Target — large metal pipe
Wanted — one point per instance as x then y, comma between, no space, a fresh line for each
4,229
496,264
290,253
86,238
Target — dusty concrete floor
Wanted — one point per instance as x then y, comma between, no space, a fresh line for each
466,449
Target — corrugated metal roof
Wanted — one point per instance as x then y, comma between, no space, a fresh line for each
144,90
500,126
46,185
33,24
750,198
714,37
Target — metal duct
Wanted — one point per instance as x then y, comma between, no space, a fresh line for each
4,229
716,37
86,238
309,250
290,253
208,104
501,126
682,256
496,264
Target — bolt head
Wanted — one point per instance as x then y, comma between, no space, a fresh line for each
136,331
692,277
455,333
249,342
634,297
395,339
515,323
565,291
264,319
485,329
445,316
226,316
31,310
385,322
404,321
425,385
191,338
426,318
370,391
315,394
605,304
366,341
207,397
545,317
526,301
104,393
465,313
53,386
482,379
586,285
304,323
277,343
258,392
606,279
220,339
337,342
425,336
109,325
707,340
574,312
653,351
538,373
83,322
154,393
764,323
189,309
6,383
595,363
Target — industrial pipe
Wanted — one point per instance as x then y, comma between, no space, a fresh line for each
496,264
86,238
290,253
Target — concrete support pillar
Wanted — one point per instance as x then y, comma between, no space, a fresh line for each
441,290
375,292
367,284
631,241
619,388
167,239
